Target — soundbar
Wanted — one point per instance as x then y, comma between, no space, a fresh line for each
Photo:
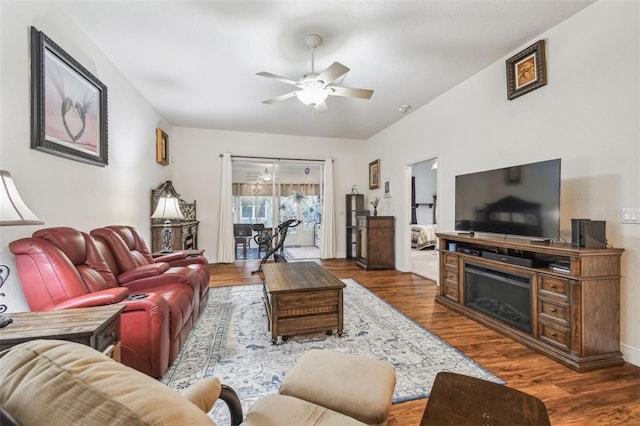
513,260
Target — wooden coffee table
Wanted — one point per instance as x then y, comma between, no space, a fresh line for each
301,297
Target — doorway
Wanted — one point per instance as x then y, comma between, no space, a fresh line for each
424,218
269,193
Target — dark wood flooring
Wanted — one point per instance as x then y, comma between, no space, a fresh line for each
608,396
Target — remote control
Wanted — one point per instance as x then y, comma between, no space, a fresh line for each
4,321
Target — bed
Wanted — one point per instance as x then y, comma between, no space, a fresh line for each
423,236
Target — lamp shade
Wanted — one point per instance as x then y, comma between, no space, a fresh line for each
13,211
168,208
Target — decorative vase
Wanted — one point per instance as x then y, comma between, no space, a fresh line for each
375,211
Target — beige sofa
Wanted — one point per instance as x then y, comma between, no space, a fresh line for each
60,383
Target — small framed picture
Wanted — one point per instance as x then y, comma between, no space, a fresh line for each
513,175
387,187
526,70
162,147
374,174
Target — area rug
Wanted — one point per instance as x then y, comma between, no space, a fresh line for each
231,341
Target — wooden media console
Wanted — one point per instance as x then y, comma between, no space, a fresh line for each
570,312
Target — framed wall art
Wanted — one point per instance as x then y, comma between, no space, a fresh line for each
526,70
374,174
162,147
387,187
68,105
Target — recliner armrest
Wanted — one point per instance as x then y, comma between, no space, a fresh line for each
171,257
145,271
98,298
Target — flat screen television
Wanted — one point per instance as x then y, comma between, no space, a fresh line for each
522,200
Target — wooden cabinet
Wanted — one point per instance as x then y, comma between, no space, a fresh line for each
574,315
375,243
354,207
184,233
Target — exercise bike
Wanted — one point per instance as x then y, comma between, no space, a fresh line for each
276,243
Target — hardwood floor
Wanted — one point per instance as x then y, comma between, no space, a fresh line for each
608,396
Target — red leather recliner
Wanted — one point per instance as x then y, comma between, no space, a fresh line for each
129,252
76,254
62,269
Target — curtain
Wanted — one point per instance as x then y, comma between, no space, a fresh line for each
226,248
327,227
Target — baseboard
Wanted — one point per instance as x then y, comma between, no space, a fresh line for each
630,354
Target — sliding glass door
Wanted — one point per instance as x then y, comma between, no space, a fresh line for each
271,193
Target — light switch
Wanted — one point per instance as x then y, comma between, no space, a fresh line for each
630,216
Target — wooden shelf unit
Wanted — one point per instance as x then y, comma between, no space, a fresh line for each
354,206
575,315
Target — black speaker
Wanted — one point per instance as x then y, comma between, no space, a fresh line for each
588,233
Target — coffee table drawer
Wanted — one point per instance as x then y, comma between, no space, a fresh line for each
308,299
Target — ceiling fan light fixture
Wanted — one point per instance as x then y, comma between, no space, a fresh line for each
312,95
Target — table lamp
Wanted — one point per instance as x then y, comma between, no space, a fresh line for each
13,211
168,208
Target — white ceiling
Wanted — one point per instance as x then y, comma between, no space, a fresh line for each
196,61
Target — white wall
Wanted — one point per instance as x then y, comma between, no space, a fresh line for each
60,191
197,171
587,115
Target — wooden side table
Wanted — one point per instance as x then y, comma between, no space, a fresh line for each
98,327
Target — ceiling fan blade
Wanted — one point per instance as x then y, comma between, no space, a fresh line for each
280,98
321,107
335,71
277,77
350,93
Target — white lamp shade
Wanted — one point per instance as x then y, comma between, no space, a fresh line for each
168,208
13,211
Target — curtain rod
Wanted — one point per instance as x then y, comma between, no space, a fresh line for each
275,158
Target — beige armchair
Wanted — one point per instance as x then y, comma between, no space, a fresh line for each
61,383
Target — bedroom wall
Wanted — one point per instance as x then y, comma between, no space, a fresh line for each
197,171
587,115
63,192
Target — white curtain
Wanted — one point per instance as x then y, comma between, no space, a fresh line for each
226,248
328,226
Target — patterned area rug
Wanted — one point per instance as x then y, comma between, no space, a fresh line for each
231,341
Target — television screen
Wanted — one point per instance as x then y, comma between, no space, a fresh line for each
522,200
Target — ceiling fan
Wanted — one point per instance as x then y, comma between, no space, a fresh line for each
314,88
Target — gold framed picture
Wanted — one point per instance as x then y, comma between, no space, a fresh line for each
374,174
162,147
526,70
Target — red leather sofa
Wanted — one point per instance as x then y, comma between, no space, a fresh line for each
129,252
62,268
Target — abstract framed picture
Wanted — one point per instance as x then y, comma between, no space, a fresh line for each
374,174
526,70
387,187
162,147
68,105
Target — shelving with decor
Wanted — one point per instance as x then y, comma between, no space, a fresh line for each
560,300
354,207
